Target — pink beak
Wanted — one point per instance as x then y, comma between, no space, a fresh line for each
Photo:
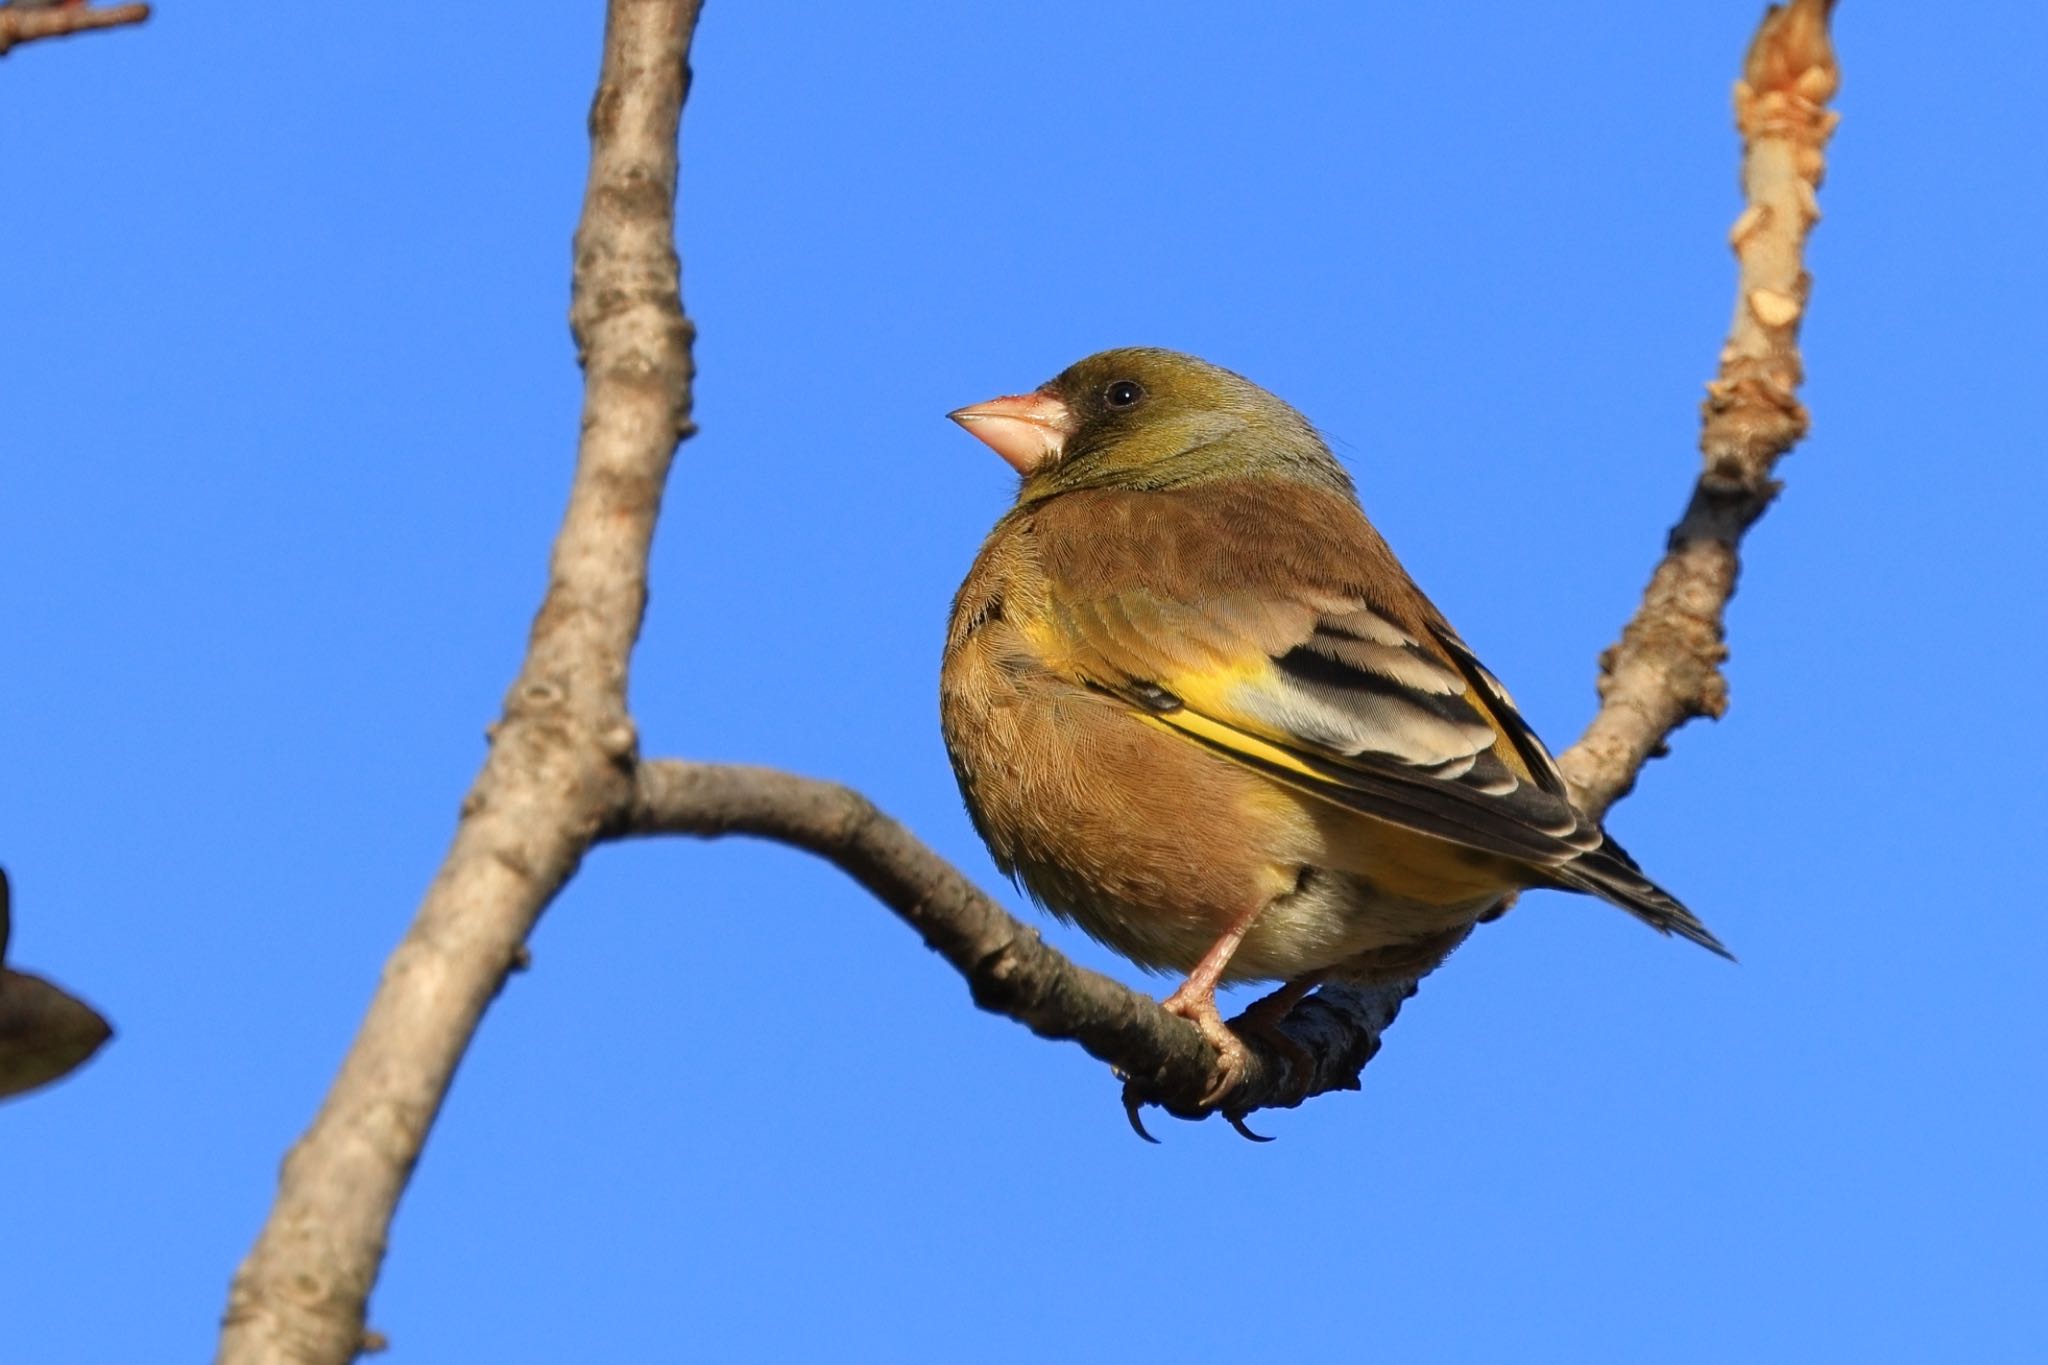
1029,430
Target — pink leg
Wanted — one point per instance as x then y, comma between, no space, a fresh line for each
1195,1001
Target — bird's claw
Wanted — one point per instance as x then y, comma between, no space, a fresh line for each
1133,1103
1233,1063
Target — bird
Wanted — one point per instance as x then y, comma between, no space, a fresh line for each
1196,706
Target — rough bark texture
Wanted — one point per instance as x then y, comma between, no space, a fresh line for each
1666,669
563,773
18,25
561,758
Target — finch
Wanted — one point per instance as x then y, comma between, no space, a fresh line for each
1197,707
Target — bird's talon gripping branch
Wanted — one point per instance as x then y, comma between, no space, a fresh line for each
1233,1059
1196,1003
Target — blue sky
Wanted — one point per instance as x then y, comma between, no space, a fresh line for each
290,406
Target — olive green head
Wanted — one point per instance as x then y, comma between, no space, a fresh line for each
1141,417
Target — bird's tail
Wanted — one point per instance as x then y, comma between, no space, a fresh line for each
1609,873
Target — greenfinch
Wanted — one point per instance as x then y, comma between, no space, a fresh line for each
1197,707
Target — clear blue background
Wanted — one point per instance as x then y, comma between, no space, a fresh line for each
289,412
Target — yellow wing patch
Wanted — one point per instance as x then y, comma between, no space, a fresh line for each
1220,736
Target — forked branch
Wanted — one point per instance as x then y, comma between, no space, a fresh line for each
561,757
563,773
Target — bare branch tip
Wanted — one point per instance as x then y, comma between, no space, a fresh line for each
19,25
1792,53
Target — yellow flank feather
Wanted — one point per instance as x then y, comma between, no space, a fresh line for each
1229,737
1210,689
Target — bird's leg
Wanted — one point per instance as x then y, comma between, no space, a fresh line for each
1195,1001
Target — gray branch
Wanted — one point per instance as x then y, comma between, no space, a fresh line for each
563,773
1008,968
561,758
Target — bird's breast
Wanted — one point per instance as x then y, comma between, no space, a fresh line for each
1145,838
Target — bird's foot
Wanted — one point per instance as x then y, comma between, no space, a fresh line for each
1196,1003
1233,1060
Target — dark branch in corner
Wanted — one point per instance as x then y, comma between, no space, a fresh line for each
45,1032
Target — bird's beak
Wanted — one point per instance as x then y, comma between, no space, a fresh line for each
1029,430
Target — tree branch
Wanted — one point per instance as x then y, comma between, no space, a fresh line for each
19,25
563,772
561,757
1008,969
1666,669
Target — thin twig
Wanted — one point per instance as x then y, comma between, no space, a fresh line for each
561,759
18,26
1666,669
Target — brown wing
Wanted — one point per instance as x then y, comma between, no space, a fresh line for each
1272,625
1275,627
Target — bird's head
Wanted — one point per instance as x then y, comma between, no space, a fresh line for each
1146,418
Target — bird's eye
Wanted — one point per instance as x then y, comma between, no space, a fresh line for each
1124,393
